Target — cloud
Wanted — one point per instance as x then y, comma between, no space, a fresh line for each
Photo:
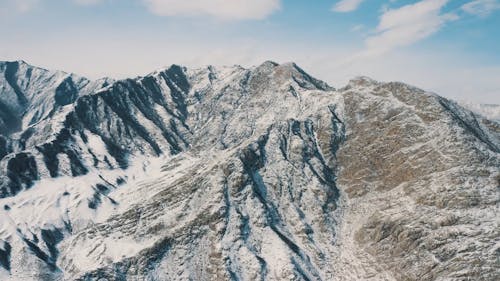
24,6
345,6
87,2
482,8
221,9
20,5
407,25
357,27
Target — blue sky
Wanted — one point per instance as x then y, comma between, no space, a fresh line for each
451,47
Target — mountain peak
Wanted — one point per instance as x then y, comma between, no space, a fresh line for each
362,81
268,64
20,62
290,71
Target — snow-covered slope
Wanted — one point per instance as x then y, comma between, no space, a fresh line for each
33,105
29,94
227,173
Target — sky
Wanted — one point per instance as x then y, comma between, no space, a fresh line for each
450,47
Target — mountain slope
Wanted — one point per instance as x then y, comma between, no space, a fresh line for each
245,174
422,178
30,94
33,103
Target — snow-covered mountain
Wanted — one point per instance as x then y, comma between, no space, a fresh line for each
227,173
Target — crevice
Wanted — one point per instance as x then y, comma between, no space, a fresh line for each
10,76
5,255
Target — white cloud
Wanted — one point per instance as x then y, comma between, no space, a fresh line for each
20,5
87,2
482,8
345,6
24,6
408,24
357,27
221,9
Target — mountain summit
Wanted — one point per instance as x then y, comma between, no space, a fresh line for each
228,173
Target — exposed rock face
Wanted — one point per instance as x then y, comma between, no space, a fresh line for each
245,174
422,180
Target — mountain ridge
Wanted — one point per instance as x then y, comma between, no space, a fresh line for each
242,174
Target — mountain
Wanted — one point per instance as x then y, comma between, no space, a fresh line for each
228,173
